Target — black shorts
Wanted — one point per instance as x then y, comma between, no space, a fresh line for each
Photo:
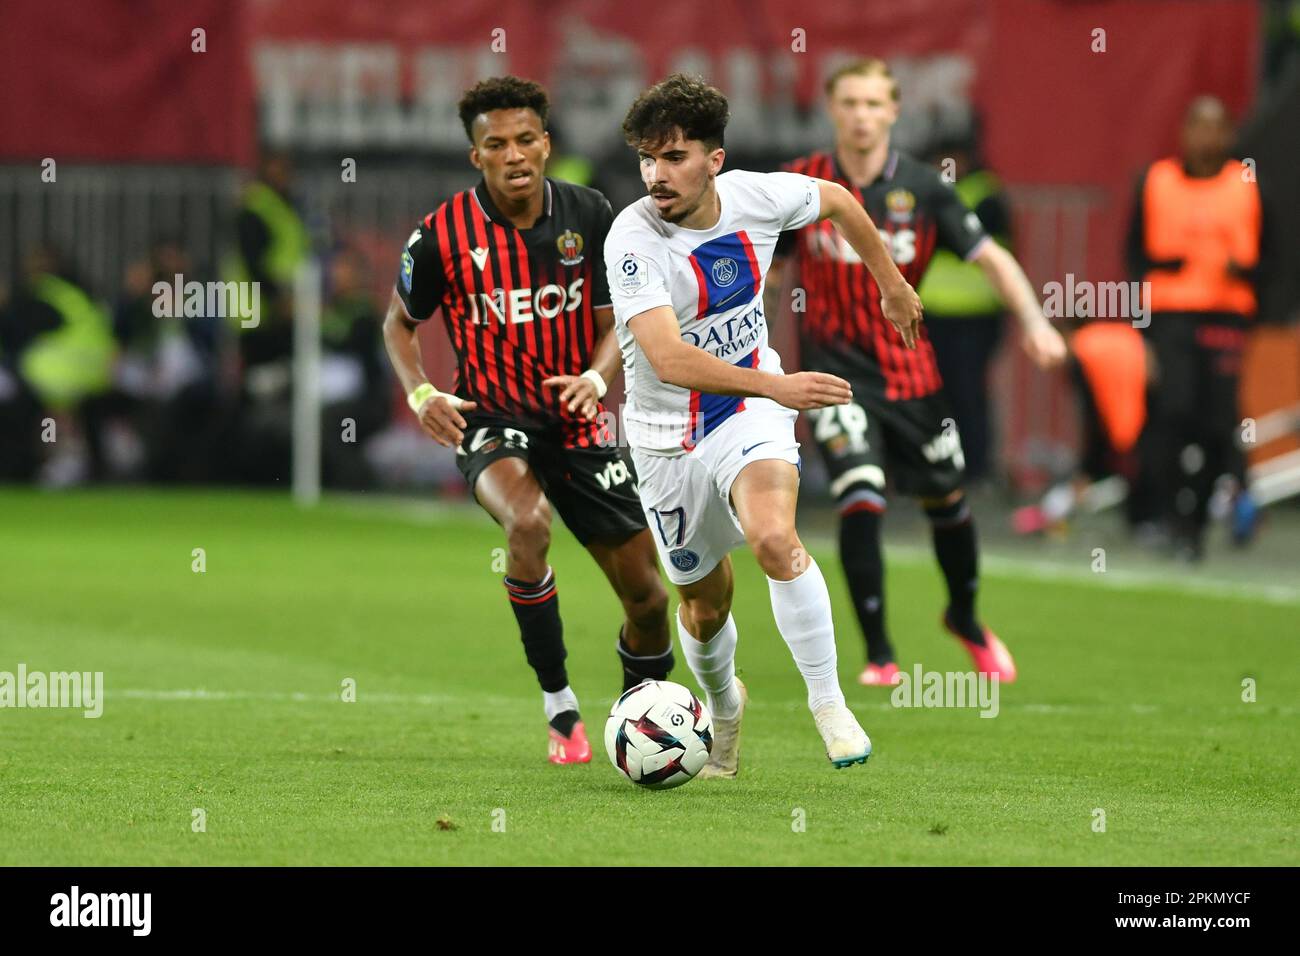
912,443
594,489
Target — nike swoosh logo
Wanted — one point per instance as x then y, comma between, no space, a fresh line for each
480,257
721,303
746,451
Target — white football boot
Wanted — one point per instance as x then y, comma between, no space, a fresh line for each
724,758
846,742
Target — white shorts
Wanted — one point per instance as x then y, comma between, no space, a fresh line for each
687,498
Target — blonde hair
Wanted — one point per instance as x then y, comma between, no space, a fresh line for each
867,66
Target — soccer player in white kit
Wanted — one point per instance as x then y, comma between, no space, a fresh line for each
710,415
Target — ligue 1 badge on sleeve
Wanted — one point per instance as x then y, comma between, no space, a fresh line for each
408,267
632,273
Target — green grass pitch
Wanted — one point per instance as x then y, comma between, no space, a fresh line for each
223,694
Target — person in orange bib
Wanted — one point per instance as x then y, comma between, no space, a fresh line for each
1195,240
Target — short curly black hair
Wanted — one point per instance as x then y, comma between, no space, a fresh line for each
502,93
680,102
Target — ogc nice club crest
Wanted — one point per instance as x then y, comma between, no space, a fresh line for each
570,246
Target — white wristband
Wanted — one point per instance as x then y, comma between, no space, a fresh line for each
595,378
423,393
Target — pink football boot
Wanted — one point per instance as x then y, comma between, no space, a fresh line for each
879,675
993,658
571,749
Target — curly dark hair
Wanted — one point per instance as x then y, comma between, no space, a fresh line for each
502,93
680,102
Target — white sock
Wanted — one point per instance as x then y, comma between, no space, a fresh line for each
557,702
802,608
713,662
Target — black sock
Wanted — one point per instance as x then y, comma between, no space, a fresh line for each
636,669
953,532
537,609
565,722
864,567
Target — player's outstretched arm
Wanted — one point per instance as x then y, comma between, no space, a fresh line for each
1041,340
439,413
898,300
679,363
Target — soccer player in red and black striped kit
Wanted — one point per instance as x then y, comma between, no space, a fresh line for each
516,265
899,423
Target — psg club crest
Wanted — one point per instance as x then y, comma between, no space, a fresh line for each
725,271
899,204
570,246
684,559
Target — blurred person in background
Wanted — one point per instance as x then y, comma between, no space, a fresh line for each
899,426
272,243
59,342
569,166
20,409
166,377
1110,369
1197,236
1281,54
355,388
963,310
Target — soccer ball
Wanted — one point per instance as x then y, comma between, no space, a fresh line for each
659,734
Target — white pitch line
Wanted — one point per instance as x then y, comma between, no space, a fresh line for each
299,697
1044,569
431,700
1112,579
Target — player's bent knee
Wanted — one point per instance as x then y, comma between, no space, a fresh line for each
704,617
529,530
647,609
776,550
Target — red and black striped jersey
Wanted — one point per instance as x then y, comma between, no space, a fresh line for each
518,304
842,329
